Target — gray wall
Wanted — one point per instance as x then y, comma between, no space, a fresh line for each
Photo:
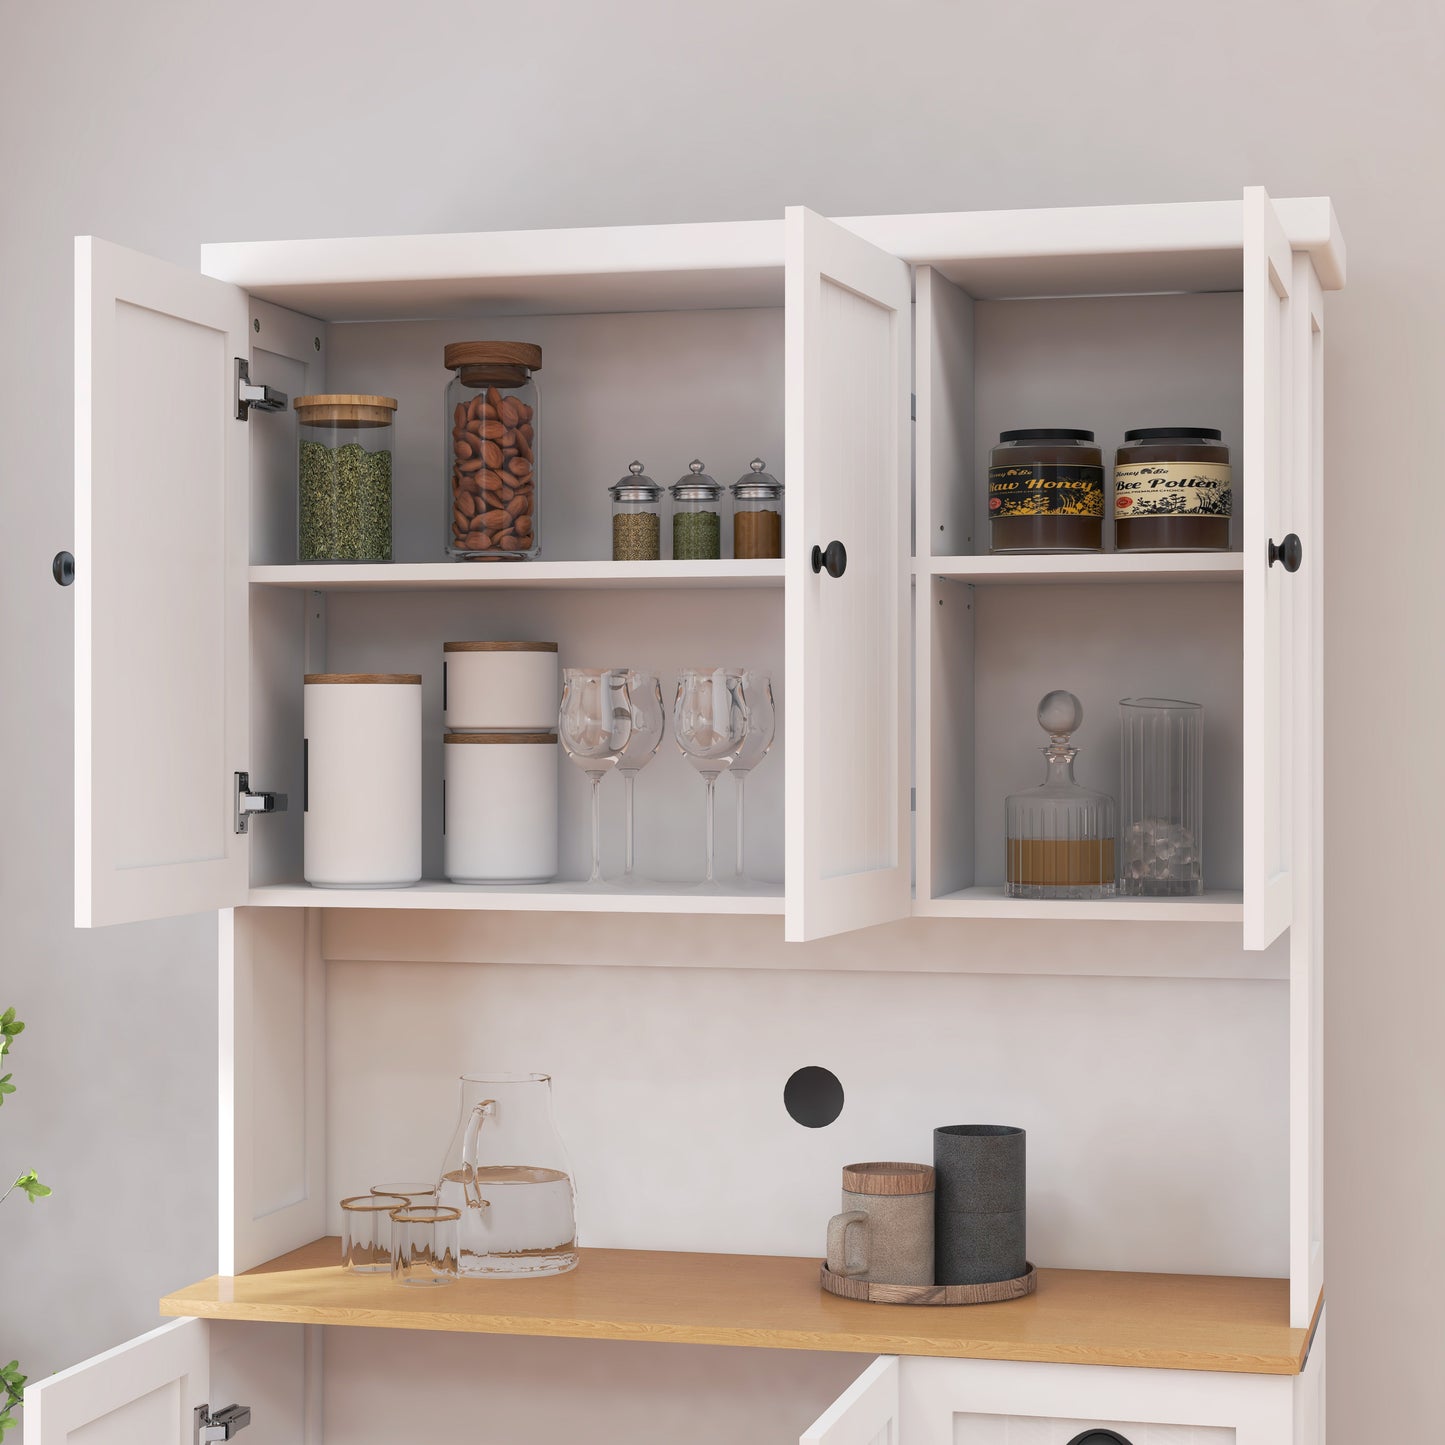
133,122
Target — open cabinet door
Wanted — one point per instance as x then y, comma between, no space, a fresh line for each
1270,592
866,1413
143,1392
161,552
848,341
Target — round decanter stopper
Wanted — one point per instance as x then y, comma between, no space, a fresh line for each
1060,713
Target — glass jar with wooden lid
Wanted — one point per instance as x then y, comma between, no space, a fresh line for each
1046,491
492,510
343,486
1172,490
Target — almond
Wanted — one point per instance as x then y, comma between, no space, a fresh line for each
489,412
510,410
474,408
520,467
506,494
493,430
460,521
518,505
526,430
492,455
463,449
459,417
492,520
508,440
478,541
523,528
471,464
508,542
494,400
466,505
524,447
526,411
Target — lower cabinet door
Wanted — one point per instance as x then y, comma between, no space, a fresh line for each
149,1390
866,1413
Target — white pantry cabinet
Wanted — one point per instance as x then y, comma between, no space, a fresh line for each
874,360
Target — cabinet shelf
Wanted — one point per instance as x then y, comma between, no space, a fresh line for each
563,897
461,576
1104,567
1095,1317
1217,905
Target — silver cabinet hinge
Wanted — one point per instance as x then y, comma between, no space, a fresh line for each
250,397
223,1424
248,802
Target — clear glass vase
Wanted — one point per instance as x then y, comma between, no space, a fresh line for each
507,1172
1060,834
1161,795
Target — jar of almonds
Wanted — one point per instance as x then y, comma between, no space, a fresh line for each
491,411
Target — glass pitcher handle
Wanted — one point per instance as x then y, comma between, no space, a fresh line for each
470,1192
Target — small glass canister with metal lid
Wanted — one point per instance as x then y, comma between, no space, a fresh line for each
492,450
757,513
697,516
637,508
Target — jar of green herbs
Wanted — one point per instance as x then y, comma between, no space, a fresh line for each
344,478
697,516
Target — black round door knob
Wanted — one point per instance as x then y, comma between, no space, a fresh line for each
62,568
1290,552
1099,1437
834,557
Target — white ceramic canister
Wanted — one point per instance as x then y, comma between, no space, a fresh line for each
363,779
500,686
499,810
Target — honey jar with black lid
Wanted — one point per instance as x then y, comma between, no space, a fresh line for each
1046,491
1172,490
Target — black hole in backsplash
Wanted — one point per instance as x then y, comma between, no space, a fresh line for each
813,1097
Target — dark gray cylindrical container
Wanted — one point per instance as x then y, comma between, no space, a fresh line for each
979,1228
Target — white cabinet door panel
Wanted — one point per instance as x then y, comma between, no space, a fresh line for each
160,590
143,1392
866,1413
1271,595
848,350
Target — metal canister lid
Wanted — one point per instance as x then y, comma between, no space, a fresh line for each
756,484
696,486
635,487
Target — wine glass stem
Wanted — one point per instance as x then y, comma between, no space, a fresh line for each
628,778
742,778
596,876
711,780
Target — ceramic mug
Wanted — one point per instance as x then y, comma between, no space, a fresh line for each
885,1232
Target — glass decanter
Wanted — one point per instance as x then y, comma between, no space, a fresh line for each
1060,834
507,1172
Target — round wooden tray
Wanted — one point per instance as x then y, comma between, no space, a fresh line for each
928,1294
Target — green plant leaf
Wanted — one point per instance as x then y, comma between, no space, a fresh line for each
6,1087
30,1183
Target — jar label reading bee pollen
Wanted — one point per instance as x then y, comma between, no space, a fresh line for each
1173,489
1037,489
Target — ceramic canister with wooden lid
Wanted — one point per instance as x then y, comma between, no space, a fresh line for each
499,807
499,687
362,789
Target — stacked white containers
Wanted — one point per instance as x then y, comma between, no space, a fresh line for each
499,810
363,779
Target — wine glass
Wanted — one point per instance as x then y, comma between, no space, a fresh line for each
762,724
645,693
710,721
594,725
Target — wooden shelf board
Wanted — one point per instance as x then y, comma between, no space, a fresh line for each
564,897
460,576
1217,905
1151,1321
1101,567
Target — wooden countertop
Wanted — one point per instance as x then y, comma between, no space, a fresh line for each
1093,1317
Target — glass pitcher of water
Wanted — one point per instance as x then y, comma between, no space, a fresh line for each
507,1172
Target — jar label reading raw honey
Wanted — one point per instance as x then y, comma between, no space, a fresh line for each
1173,489
1038,489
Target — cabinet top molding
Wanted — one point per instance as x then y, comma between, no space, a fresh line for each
1088,250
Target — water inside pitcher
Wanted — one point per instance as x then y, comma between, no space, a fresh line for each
507,1172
